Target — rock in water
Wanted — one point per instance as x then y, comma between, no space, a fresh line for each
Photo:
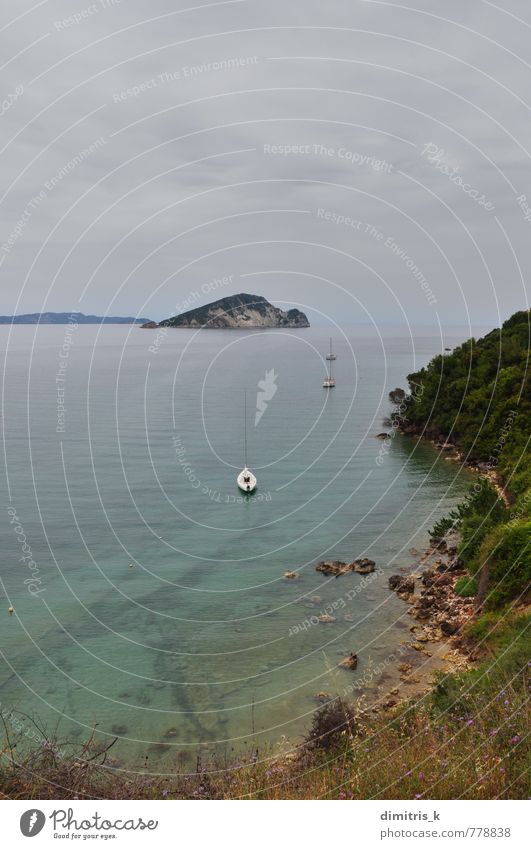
238,311
364,566
350,662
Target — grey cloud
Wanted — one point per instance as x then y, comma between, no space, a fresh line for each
377,81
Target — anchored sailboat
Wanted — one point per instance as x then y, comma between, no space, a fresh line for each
246,480
329,381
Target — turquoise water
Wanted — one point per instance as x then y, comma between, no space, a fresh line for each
162,611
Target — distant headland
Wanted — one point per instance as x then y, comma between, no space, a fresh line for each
234,312
68,318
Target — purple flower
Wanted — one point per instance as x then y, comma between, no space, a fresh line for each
470,722
418,795
165,793
515,739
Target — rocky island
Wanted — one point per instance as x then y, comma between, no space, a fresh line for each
238,311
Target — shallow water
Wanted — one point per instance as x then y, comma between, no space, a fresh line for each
162,612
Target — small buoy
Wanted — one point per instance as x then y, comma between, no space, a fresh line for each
11,610
131,565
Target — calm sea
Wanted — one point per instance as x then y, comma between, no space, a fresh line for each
158,607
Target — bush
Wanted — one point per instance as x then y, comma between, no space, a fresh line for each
506,553
330,725
466,587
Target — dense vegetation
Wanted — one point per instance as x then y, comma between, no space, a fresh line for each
479,398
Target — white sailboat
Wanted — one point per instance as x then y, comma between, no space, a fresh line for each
329,381
246,480
331,355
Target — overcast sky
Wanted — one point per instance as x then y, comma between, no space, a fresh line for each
362,160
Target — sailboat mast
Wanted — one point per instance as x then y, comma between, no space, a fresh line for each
245,424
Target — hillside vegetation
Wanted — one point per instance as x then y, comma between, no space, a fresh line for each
479,398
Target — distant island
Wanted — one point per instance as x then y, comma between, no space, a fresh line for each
68,318
236,311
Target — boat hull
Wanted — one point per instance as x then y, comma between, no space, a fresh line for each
246,481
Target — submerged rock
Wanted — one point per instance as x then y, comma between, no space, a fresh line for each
322,697
333,567
350,662
363,566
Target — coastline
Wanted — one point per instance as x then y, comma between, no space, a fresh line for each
439,614
438,617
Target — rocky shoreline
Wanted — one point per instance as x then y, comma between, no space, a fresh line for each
435,642
439,618
454,454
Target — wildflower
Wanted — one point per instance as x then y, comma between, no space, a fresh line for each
418,795
342,795
421,776
470,722
515,739
165,793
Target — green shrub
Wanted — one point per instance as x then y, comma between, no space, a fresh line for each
466,586
506,553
